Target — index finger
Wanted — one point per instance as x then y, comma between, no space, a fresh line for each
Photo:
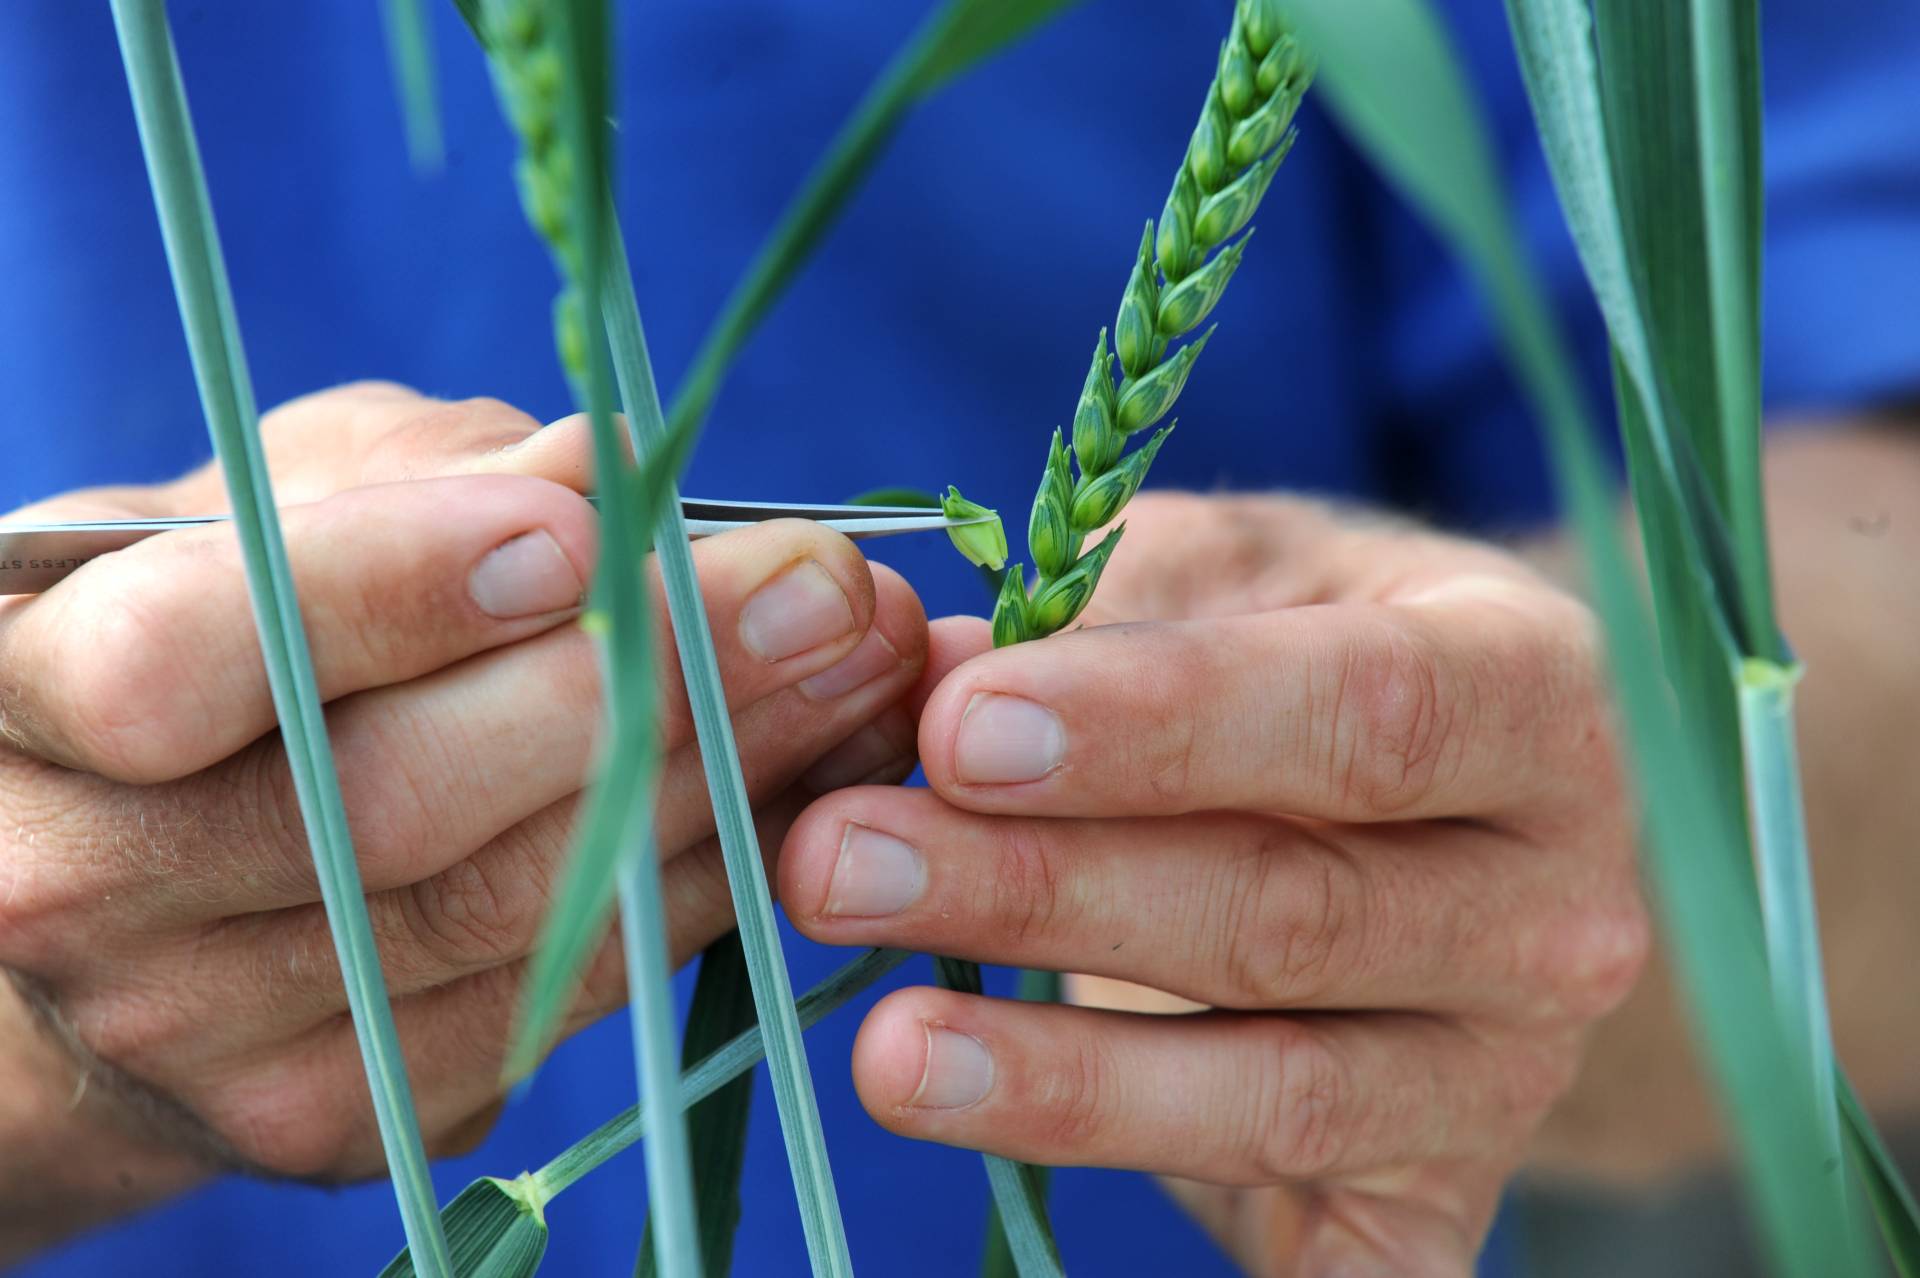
1475,705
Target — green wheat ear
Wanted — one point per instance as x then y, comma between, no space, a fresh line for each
1244,132
527,69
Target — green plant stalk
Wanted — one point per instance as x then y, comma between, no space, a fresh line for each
1725,39
1019,1193
1245,131
717,1127
741,1054
410,49
733,810
226,396
1785,876
1035,986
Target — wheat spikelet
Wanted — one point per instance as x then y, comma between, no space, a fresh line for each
1244,132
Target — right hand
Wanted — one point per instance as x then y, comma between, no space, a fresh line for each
158,903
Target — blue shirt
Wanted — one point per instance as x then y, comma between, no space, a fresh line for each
941,330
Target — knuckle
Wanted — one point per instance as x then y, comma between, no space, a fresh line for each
1598,955
42,890
278,1119
1026,887
477,911
1297,1096
425,443
1073,1099
1398,719
1289,923
122,712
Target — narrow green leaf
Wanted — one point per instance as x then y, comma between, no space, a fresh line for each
410,50
226,397
1396,87
954,38
1726,82
1019,1195
1554,39
717,1127
495,1229
1893,1203
974,30
733,810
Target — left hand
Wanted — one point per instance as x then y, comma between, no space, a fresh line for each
1350,785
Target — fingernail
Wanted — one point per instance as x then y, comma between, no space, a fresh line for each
863,757
524,578
870,658
802,608
959,1071
876,875
1005,739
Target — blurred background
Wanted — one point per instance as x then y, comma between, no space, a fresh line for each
940,332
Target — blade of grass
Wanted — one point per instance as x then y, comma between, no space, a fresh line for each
410,49
1726,79
1396,86
722,1009
733,811
956,36
226,396
1019,1194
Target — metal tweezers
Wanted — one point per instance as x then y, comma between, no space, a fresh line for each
33,557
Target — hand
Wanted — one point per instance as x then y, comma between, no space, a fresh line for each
158,904
1349,786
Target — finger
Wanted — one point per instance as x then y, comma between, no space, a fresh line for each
432,769
371,433
1478,706
145,665
252,986
461,914
1222,1097
1229,910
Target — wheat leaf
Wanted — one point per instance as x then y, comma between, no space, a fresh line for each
956,36
226,397
1421,126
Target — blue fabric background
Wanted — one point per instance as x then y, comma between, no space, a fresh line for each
941,330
